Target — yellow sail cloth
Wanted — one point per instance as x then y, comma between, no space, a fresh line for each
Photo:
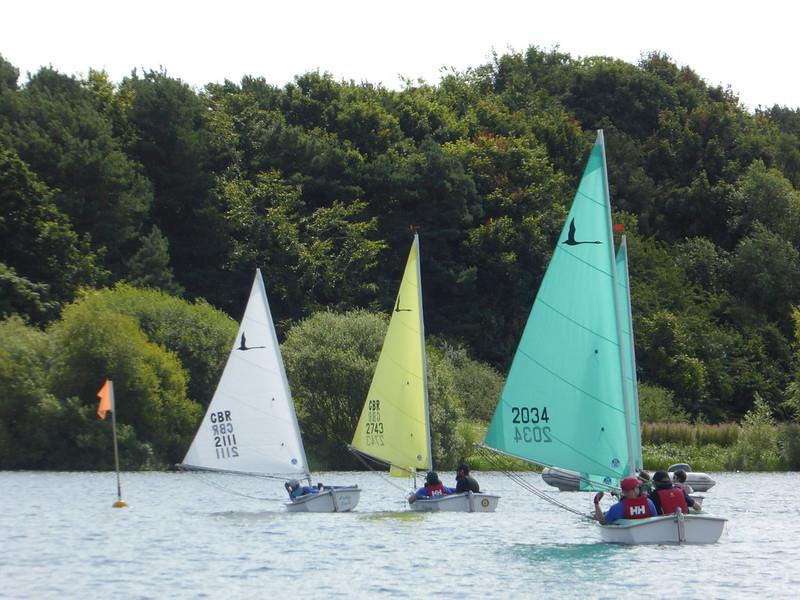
394,427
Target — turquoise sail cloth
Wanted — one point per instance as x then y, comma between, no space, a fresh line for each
563,403
623,283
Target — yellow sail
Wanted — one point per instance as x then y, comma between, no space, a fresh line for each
394,426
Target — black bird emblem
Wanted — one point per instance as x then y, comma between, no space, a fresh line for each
244,346
570,241
397,306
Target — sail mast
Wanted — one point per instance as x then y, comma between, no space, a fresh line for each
424,355
626,400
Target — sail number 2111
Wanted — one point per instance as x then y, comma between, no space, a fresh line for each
533,415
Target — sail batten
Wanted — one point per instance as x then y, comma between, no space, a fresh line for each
563,403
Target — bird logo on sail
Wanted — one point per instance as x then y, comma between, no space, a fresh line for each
244,346
570,241
397,306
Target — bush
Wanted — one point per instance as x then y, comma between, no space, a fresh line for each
200,335
789,442
657,404
757,448
477,384
446,413
93,342
699,434
330,359
702,458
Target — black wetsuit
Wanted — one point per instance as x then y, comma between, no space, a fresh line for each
465,483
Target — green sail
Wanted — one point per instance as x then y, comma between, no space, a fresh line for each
623,283
563,402
394,427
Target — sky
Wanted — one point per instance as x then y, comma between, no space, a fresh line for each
749,46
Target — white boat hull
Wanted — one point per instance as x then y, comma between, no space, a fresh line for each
666,529
335,499
467,502
700,482
564,480
569,481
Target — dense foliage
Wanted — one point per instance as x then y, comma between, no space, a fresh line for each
151,182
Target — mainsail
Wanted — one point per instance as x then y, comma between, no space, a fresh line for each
564,401
394,426
251,425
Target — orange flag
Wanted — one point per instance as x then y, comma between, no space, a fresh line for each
106,395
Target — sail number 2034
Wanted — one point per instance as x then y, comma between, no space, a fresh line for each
527,433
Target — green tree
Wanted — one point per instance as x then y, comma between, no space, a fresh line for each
330,360
39,243
757,448
170,137
200,335
149,267
59,132
150,385
765,270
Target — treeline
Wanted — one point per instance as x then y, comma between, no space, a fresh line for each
165,356
153,183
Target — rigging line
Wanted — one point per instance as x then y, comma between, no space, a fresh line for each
387,478
228,490
494,459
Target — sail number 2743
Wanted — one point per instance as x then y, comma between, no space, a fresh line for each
527,426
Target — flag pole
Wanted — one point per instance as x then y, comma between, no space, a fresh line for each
120,503
108,403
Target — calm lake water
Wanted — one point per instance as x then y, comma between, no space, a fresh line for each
187,535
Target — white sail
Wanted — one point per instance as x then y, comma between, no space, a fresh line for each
251,425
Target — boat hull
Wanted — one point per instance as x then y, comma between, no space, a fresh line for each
564,480
335,499
467,502
569,481
666,529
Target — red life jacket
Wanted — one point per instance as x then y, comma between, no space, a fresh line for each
636,508
434,490
671,500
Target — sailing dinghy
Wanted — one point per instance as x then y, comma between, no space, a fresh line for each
569,401
251,427
394,427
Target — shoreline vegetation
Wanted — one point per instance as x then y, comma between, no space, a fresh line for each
133,215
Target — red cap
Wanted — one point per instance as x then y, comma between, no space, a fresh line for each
629,483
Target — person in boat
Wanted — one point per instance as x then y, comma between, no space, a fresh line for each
632,506
669,498
645,483
679,480
433,487
464,481
296,490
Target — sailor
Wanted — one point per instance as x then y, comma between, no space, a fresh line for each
632,505
464,481
296,490
669,498
433,488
